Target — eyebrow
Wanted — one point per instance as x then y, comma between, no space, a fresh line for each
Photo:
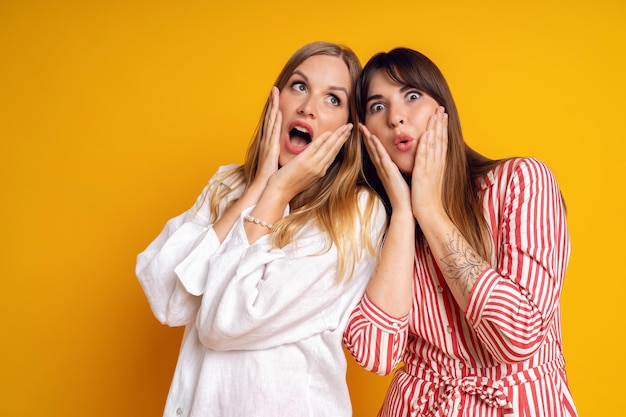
332,87
379,96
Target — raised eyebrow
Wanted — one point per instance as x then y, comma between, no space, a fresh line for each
373,97
403,89
300,73
408,88
339,88
332,87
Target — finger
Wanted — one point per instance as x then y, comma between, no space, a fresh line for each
269,122
340,137
331,145
275,137
444,137
386,169
274,112
427,143
374,146
377,152
441,134
367,139
266,119
366,132
330,141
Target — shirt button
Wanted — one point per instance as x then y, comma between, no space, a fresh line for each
179,411
395,325
449,329
440,289
461,366
459,406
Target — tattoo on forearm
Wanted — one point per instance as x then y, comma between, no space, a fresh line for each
462,263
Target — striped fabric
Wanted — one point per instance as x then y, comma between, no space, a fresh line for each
503,356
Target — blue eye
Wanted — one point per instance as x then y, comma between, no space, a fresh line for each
298,86
334,100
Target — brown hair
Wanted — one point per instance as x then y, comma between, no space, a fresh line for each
463,164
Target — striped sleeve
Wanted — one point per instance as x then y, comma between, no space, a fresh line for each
375,339
512,305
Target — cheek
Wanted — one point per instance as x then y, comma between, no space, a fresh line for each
337,119
373,125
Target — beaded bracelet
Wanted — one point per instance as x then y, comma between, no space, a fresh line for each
258,221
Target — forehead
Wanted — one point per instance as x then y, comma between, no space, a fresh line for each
380,80
326,71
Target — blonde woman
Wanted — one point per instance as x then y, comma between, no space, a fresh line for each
265,268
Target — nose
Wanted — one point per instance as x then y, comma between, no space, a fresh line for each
395,116
307,107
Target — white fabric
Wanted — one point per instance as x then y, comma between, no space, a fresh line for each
264,326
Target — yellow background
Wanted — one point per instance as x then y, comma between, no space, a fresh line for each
113,114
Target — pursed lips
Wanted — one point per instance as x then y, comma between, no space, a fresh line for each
402,141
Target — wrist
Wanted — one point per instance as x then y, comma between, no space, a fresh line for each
278,192
429,213
403,214
252,194
259,222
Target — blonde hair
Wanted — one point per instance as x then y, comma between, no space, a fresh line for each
331,203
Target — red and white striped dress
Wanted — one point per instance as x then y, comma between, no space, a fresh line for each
503,357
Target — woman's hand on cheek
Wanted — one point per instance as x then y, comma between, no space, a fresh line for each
311,164
396,187
430,165
269,150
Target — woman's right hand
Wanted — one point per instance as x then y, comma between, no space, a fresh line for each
269,150
429,170
397,189
267,165
391,286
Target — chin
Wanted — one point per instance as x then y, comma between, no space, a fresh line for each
284,160
407,172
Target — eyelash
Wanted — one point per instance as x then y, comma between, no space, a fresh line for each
336,98
417,93
295,85
373,110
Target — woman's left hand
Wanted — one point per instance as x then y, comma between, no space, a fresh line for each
311,164
430,165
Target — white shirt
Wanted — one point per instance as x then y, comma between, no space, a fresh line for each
264,326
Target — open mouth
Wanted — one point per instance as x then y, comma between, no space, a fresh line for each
299,136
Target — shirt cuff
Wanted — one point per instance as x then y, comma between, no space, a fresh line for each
192,272
485,284
381,319
239,237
